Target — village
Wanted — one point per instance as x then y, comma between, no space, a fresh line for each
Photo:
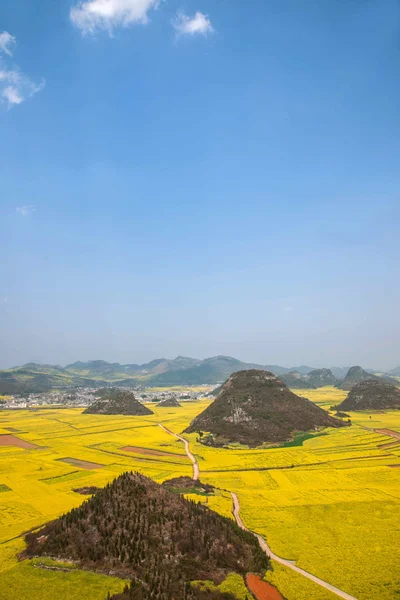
85,396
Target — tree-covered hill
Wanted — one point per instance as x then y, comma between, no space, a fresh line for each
254,407
138,529
112,401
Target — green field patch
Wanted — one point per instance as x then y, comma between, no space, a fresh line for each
300,438
4,488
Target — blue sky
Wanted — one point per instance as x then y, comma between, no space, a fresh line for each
200,178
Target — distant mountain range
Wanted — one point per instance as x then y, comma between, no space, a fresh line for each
162,372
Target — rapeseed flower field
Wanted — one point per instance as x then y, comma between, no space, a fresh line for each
330,503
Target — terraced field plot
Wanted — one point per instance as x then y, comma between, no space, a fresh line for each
330,503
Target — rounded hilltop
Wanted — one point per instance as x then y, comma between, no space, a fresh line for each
113,401
169,403
254,407
357,374
158,539
372,394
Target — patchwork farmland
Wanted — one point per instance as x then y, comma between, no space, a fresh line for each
329,503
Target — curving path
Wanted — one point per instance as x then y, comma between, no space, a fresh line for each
191,457
263,544
287,563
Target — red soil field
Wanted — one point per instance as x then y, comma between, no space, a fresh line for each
261,589
12,440
83,464
149,452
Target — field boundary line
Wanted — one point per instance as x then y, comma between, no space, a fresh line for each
283,561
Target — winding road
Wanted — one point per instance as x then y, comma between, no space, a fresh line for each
263,544
196,470
283,561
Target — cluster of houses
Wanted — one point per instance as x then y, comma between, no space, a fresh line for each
83,397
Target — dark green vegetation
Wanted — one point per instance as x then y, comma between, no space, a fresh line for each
295,380
371,395
299,439
169,403
161,372
137,529
256,407
187,485
321,377
182,370
314,379
120,373
113,401
4,488
210,370
40,378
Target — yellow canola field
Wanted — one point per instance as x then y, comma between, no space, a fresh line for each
331,504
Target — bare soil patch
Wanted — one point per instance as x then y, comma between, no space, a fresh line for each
390,432
12,440
261,589
83,464
150,452
394,466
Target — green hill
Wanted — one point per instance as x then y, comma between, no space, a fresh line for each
40,378
113,401
295,380
135,528
255,407
372,394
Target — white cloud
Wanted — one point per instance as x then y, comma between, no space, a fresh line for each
7,43
91,15
199,24
26,211
15,87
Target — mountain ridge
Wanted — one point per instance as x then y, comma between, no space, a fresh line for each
160,372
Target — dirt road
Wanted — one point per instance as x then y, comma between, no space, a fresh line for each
187,448
287,563
263,544
390,432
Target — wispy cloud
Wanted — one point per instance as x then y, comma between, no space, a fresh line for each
92,15
199,24
7,43
26,211
15,86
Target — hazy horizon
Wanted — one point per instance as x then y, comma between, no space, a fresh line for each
219,181
242,359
